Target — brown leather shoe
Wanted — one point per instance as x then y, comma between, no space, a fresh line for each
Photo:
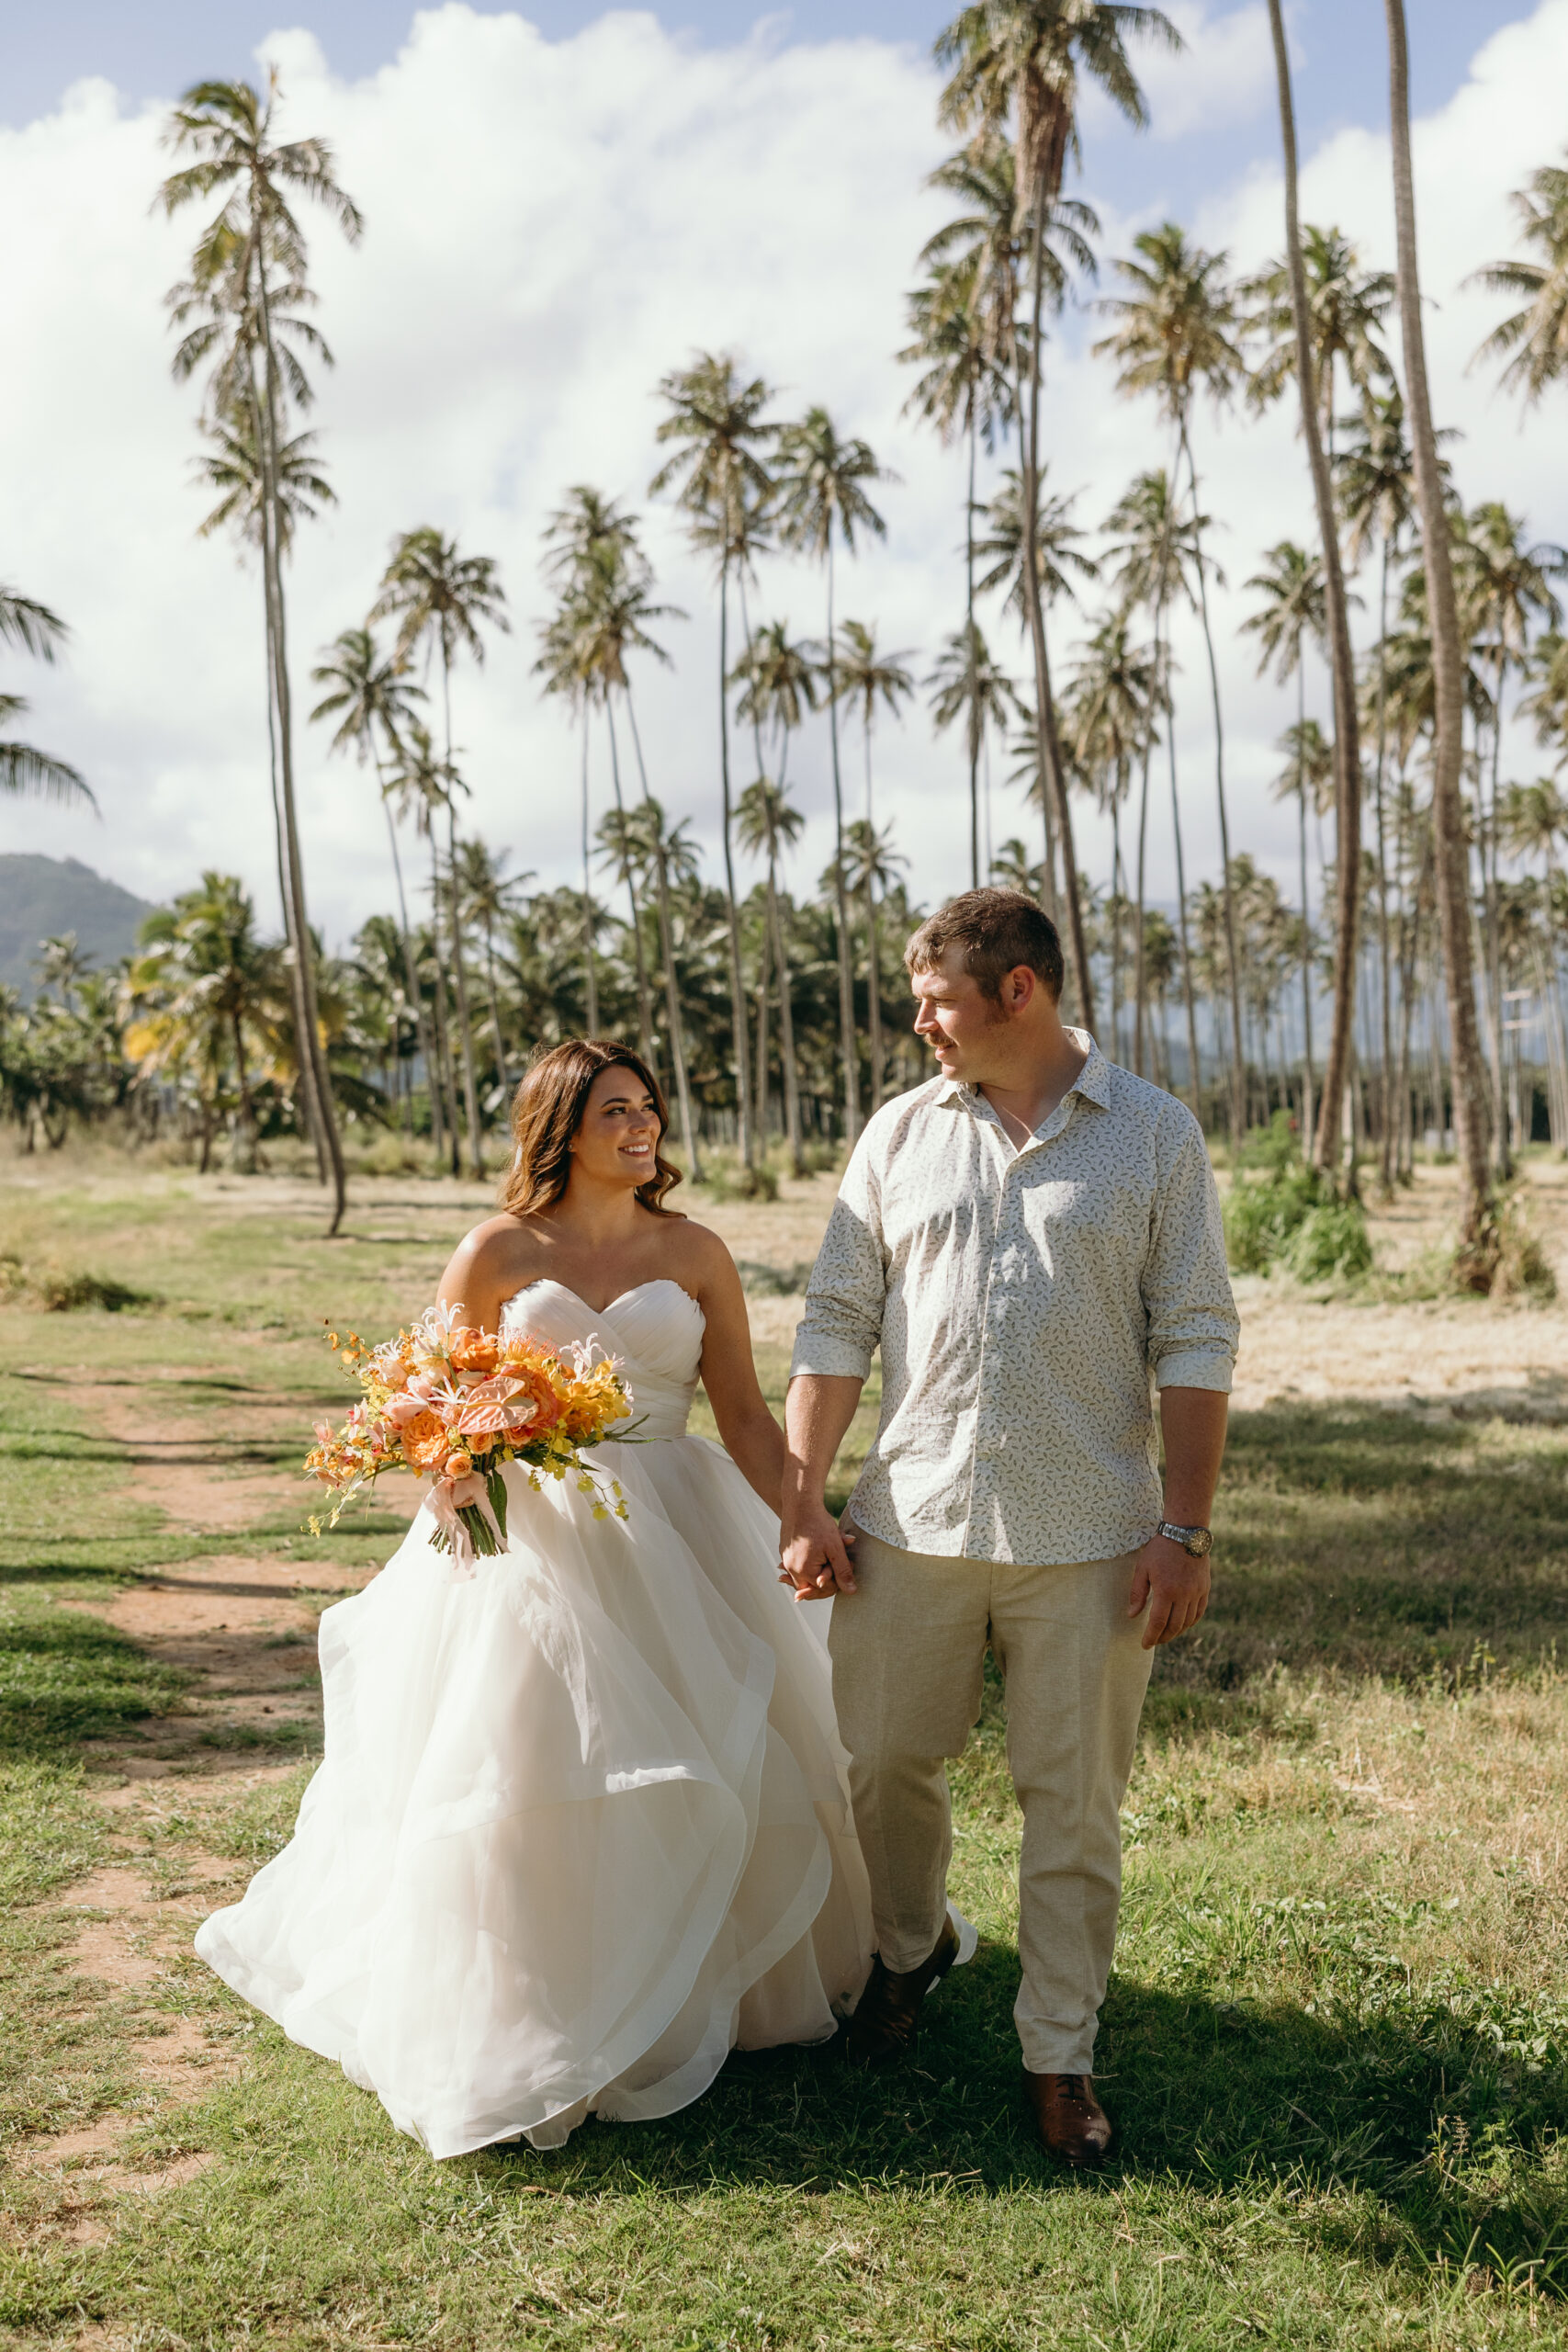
888,2010
1072,2123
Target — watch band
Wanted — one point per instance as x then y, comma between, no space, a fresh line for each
1197,1542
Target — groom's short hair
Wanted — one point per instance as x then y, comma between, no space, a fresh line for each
997,931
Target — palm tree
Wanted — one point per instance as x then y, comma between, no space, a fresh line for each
596,560
561,663
865,676
954,394
778,683
488,895
823,500
420,781
201,987
1476,1259
442,599
1057,560
1153,554
1534,340
1535,820
1294,607
718,423
25,771
872,864
1108,711
1342,323
768,823
1377,499
1505,593
611,604
1018,63
1345,307
967,683
372,700
1175,335
247,291
966,328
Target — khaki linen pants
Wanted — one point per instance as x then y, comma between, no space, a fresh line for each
908,1655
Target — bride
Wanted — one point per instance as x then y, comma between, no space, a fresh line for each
582,1826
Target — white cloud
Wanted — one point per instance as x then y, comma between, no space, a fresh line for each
550,227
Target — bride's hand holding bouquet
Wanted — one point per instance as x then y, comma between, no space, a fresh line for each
454,1405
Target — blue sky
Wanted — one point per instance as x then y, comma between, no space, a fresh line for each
152,48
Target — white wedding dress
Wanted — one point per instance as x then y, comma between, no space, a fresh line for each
581,1826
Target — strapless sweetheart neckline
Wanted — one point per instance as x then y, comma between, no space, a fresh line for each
657,1281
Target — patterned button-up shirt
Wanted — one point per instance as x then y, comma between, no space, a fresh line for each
1021,1300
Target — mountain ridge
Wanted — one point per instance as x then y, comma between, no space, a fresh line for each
43,897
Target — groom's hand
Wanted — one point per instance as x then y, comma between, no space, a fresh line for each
815,1555
1172,1585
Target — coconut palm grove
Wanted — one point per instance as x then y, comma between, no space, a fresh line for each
1400,992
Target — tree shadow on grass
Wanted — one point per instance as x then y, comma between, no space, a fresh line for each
1417,2111
1368,1541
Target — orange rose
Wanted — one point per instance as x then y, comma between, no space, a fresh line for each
426,1441
474,1351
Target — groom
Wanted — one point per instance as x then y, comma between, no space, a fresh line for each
1028,1238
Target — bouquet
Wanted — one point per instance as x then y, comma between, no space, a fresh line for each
454,1406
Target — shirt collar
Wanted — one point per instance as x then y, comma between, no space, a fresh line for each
1093,1082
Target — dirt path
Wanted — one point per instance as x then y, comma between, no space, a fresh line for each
244,1628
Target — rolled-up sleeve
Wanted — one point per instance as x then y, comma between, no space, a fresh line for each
1194,1327
847,1295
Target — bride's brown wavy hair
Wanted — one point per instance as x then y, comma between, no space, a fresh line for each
546,1113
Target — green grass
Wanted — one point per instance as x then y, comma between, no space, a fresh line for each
1336,2043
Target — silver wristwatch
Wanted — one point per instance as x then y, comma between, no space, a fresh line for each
1198,1541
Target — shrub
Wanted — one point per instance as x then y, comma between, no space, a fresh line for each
1290,1217
61,1293
1330,1243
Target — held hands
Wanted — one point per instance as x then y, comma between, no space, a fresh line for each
1174,1586
815,1555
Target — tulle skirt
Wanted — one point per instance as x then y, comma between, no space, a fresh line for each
581,1824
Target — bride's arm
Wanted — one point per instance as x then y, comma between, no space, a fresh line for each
482,1272
752,1439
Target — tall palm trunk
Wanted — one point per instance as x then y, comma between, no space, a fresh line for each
644,1005
1490,830
1140,977
1238,1055
589,967
1118,894
672,988
872,947
503,1074
847,1044
1387,1140
874,990
787,1024
1194,1068
737,984
1053,773
1308,1081
1347,743
315,1074
416,1000
764,961
440,1023
459,978
969,639
1476,1260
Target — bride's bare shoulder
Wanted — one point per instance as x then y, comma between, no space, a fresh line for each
491,1261
699,1254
